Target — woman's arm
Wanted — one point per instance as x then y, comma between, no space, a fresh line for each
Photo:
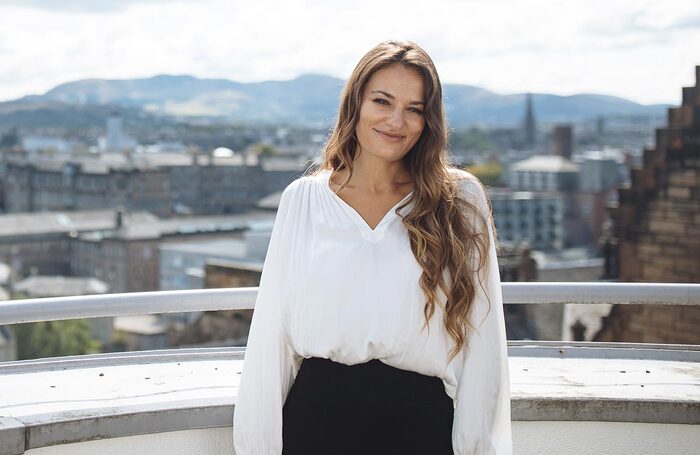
267,368
482,414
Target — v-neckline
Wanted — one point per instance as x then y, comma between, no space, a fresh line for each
368,232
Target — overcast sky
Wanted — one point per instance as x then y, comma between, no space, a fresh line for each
641,50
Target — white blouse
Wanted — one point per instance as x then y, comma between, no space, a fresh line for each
332,287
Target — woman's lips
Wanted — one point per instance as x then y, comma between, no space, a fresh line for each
388,137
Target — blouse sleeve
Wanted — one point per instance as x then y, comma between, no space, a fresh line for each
481,422
268,363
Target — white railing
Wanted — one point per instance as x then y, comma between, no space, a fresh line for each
90,306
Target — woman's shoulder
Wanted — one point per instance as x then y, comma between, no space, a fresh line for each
471,188
306,182
466,181
300,187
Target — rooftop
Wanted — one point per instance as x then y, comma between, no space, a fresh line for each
498,194
606,397
271,201
104,163
98,224
546,163
21,224
220,248
56,286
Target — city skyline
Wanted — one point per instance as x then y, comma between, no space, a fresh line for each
612,48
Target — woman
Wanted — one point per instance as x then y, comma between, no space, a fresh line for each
378,326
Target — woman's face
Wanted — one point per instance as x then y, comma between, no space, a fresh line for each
391,114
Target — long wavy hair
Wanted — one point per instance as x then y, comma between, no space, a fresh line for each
447,233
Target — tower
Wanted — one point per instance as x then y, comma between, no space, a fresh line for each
529,129
562,141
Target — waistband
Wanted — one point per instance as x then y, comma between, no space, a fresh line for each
373,370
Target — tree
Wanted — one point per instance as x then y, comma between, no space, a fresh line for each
266,150
470,140
10,138
488,172
54,338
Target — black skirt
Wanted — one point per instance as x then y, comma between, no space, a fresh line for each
369,408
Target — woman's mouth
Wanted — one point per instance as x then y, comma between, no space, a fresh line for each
389,137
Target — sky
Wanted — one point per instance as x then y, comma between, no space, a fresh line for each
642,50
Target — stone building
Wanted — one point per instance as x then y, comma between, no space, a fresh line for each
656,234
127,257
164,184
117,247
36,185
40,242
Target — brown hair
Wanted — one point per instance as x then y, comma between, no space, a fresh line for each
443,235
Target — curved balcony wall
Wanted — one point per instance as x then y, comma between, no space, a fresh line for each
567,398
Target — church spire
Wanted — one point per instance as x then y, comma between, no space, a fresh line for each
529,129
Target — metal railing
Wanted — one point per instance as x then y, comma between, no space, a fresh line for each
105,305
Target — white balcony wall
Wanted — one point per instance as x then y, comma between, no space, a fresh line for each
529,438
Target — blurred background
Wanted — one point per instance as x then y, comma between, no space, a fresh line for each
144,146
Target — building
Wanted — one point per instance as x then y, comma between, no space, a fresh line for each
559,321
656,235
222,328
587,186
599,173
38,143
544,173
562,141
534,217
117,247
229,263
116,140
140,332
37,286
40,243
85,183
182,264
127,256
165,184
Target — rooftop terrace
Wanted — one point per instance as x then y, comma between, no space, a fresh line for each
567,397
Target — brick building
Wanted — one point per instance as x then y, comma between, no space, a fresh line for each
657,230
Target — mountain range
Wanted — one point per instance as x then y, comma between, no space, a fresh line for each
311,99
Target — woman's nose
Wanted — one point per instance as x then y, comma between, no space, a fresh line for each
396,119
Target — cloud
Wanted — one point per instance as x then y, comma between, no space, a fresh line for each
508,46
77,6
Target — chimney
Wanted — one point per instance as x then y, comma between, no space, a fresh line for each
562,141
119,218
194,154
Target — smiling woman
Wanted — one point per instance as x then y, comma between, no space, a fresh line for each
378,326
390,123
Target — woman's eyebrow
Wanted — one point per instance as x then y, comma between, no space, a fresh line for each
390,96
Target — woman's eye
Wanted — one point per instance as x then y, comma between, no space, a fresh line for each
417,111
380,101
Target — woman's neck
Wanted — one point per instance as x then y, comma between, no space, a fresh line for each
377,178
